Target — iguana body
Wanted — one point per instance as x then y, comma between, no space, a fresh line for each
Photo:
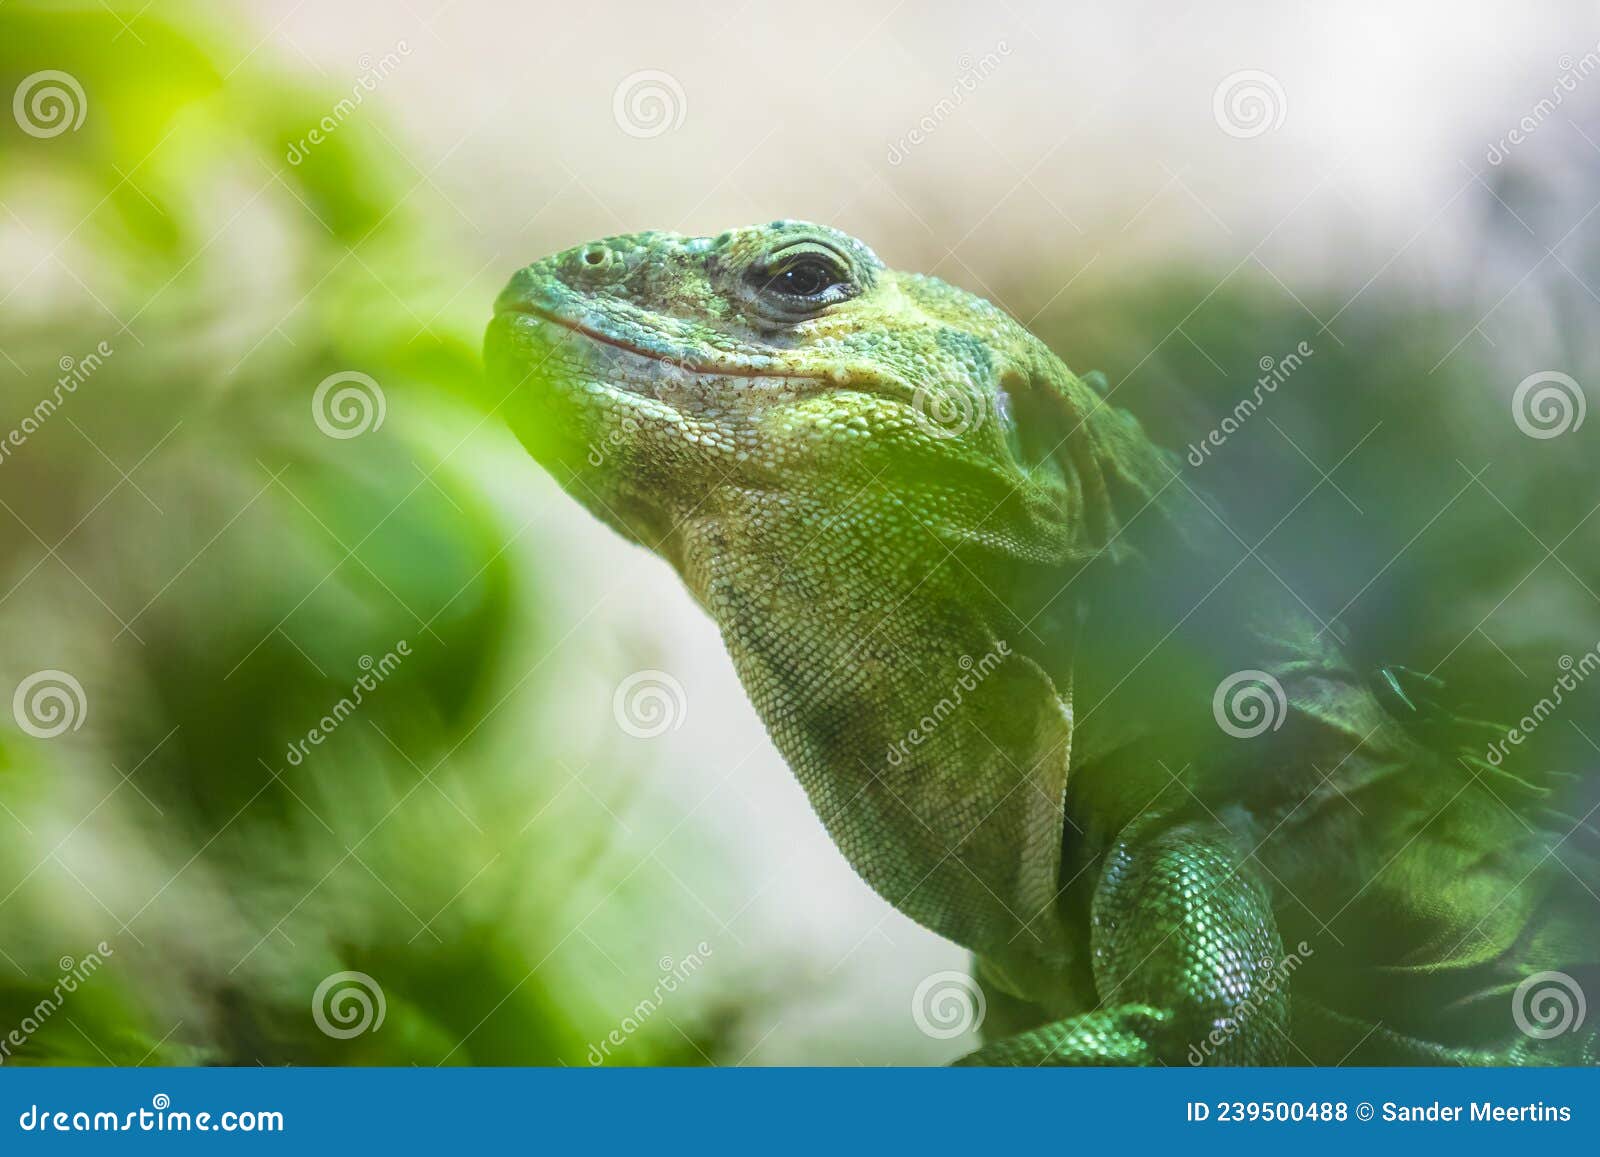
984,619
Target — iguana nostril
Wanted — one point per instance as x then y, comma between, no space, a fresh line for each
596,255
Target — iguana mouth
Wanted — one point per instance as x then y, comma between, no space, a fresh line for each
600,335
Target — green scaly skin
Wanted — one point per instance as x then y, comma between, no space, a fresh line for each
984,618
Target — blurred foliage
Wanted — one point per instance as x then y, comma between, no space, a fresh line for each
218,574
1384,480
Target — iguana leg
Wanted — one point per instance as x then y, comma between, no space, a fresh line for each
1186,960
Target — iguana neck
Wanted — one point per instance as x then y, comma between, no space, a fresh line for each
934,751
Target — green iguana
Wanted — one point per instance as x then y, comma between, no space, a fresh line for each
1043,699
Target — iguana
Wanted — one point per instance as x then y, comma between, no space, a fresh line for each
1042,697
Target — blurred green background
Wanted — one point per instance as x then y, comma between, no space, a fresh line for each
217,554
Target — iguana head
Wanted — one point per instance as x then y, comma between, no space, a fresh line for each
855,470
674,371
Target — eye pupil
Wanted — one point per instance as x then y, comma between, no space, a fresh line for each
806,278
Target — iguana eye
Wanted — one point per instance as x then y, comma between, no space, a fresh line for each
807,277
804,278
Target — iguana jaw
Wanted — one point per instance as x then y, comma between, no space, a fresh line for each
631,351
659,365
